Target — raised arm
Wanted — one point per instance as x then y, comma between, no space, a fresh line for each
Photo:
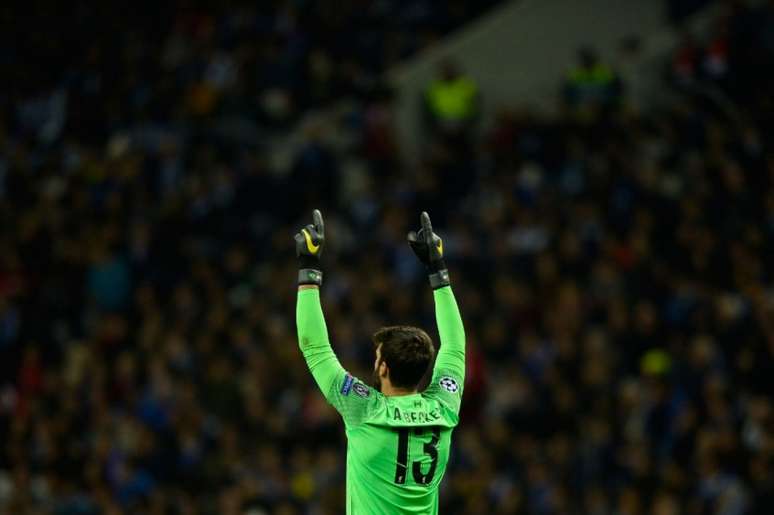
313,340
344,392
451,355
449,371
310,322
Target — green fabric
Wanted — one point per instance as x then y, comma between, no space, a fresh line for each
378,482
453,100
597,75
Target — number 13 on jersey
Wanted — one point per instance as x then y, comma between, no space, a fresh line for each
429,449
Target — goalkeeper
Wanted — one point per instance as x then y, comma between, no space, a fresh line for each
398,438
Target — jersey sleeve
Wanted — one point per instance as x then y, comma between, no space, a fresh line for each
449,371
351,397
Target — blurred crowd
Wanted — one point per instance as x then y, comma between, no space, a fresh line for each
615,270
175,63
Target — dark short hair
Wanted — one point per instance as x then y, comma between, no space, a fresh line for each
407,351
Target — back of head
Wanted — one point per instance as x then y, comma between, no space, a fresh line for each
407,351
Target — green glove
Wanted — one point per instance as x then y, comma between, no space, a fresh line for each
309,247
428,247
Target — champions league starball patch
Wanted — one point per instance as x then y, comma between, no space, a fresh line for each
449,384
361,389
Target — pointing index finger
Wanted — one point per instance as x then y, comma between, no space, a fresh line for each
319,225
427,227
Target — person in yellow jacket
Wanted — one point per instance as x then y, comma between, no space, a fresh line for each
591,83
451,101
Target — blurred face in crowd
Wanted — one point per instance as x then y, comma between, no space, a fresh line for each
449,71
587,57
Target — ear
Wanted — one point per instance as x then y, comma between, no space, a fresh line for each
384,370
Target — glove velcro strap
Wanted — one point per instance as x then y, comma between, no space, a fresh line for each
439,279
310,276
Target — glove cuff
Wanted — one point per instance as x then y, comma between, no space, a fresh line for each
310,276
439,279
436,266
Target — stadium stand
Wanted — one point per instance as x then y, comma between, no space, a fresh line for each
621,334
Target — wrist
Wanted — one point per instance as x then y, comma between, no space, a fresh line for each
309,276
439,279
309,271
436,266
306,261
438,274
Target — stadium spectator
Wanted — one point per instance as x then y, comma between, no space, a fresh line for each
452,103
592,84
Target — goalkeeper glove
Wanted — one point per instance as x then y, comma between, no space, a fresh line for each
428,247
309,247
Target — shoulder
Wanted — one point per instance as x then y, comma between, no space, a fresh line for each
354,387
445,383
446,388
354,392
356,400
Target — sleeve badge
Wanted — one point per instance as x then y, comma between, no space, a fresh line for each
449,384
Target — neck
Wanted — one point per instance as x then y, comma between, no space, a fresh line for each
392,391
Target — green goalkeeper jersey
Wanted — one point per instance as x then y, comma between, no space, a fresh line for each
397,446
